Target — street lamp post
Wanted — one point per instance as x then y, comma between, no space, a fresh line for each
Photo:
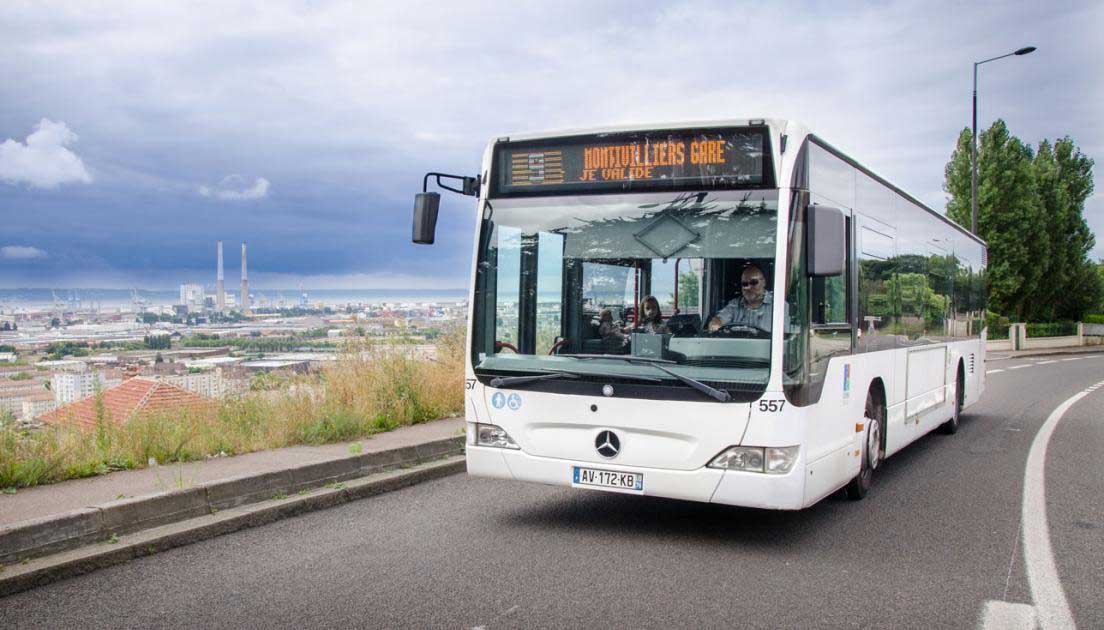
973,143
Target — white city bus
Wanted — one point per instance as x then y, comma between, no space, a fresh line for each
873,334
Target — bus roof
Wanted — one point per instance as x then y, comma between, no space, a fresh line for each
780,126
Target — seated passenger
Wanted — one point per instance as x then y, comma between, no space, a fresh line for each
651,321
752,308
607,329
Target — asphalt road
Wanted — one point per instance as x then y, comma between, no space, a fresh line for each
937,538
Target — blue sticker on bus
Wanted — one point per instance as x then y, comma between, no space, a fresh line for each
498,400
846,378
514,402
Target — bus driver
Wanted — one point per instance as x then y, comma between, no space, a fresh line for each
752,308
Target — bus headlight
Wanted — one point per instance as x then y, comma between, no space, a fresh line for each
781,459
746,458
772,460
493,435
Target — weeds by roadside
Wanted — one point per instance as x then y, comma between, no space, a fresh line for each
369,390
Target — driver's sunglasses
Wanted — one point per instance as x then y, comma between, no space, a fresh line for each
750,283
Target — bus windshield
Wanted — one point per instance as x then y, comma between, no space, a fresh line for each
662,277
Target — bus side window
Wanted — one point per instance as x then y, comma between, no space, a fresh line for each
831,320
829,300
876,282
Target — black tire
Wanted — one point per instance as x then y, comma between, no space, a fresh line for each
872,451
950,427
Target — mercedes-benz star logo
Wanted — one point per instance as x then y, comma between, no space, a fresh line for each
608,444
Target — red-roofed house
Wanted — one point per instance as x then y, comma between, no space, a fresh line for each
133,397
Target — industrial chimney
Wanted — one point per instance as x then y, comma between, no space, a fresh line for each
220,290
244,285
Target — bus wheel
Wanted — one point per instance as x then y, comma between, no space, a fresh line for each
872,453
950,427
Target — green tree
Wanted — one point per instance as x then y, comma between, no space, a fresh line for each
158,342
1010,215
688,283
1071,186
1031,212
1099,308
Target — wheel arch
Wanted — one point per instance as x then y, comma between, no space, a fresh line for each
960,380
877,389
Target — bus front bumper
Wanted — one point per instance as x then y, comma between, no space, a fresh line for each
729,487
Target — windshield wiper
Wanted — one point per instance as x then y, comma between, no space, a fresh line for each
619,357
506,381
713,392
719,394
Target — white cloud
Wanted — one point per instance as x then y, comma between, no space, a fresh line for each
43,161
235,188
21,252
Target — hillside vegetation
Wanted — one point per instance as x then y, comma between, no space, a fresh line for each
370,389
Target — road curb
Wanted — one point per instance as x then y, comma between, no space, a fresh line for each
146,542
1004,355
34,538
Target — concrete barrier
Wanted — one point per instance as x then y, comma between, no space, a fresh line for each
45,535
132,514
38,537
1019,340
1039,343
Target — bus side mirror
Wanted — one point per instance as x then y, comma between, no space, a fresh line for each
826,240
425,217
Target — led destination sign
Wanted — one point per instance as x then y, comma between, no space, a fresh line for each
640,161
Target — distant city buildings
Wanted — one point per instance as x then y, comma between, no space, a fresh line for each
73,386
210,384
37,404
191,295
61,353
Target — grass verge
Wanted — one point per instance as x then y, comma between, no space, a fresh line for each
370,389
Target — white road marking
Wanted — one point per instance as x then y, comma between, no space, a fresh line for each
1045,362
1072,359
1042,574
1016,367
993,371
1007,616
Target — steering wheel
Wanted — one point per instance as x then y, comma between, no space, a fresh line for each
499,345
742,331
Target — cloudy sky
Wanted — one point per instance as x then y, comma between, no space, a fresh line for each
135,135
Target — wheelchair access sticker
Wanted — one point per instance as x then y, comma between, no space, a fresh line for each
513,402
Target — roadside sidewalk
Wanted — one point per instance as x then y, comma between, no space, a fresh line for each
1042,352
59,498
